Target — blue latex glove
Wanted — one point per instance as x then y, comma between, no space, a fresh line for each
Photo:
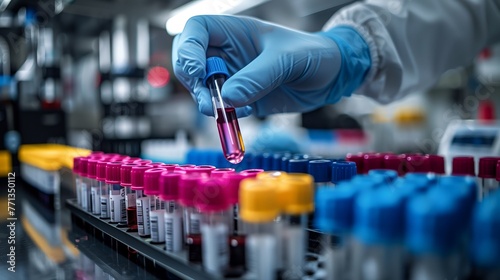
273,69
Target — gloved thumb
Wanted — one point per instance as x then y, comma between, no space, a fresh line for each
254,81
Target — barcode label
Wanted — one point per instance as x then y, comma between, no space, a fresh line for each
104,207
96,200
173,232
140,219
154,229
85,197
169,232
152,202
143,223
195,220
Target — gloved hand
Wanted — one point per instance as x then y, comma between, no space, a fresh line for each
273,69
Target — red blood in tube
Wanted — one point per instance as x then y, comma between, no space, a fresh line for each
230,135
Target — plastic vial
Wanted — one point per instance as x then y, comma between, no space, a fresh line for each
321,170
259,209
118,211
78,179
212,203
334,218
463,166
220,172
95,194
143,202
188,185
169,192
85,185
103,188
156,216
130,195
227,121
296,199
233,182
343,171
487,173
432,237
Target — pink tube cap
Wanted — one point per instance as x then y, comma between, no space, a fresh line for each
395,162
151,180
252,172
211,195
417,163
125,174
219,172
233,181
137,177
76,165
92,168
488,167
101,170
200,169
188,184
113,172
372,161
84,161
463,166
143,161
358,159
169,184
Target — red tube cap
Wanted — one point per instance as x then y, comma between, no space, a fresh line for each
358,159
113,172
137,177
372,161
463,166
169,184
211,195
151,181
488,167
395,162
418,163
498,171
437,164
125,173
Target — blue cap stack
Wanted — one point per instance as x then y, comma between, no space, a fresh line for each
485,246
284,163
368,182
379,216
215,65
430,178
431,226
388,175
343,171
267,161
335,209
298,165
462,190
321,170
257,161
277,161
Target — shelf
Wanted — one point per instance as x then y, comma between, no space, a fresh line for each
175,263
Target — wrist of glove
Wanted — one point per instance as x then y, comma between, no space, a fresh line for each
273,69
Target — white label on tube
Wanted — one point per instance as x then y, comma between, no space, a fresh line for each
105,206
261,256
117,204
215,248
194,223
280,244
96,200
295,250
143,226
157,226
78,191
152,202
85,196
160,204
130,200
173,231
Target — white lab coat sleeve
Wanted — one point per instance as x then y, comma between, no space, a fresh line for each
413,42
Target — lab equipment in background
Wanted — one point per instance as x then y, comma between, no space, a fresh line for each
227,121
259,209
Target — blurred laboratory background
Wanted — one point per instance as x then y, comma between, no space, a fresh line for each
97,75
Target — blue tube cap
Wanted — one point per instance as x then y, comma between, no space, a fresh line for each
368,182
321,170
257,161
335,209
430,178
379,216
215,65
432,225
485,245
342,171
298,165
387,174
267,161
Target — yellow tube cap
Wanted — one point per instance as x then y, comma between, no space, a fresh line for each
271,175
296,194
258,201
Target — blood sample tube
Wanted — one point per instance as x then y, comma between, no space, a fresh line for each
343,171
358,159
130,195
118,211
103,188
431,229
321,170
372,161
85,185
211,201
156,215
95,194
487,174
334,217
169,192
437,164
227,121
396,163
377,245
418,163
463,166
219,172
143,203
296,199
77,179
188,185
259,209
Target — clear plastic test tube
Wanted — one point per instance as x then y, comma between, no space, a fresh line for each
95,194
259,209
144,204
118,211
130,195
157,215
169,192
78,179
227,121
296,199
85,185
103,188
487,174
211,201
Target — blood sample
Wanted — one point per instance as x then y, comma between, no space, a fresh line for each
130,195
227,121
